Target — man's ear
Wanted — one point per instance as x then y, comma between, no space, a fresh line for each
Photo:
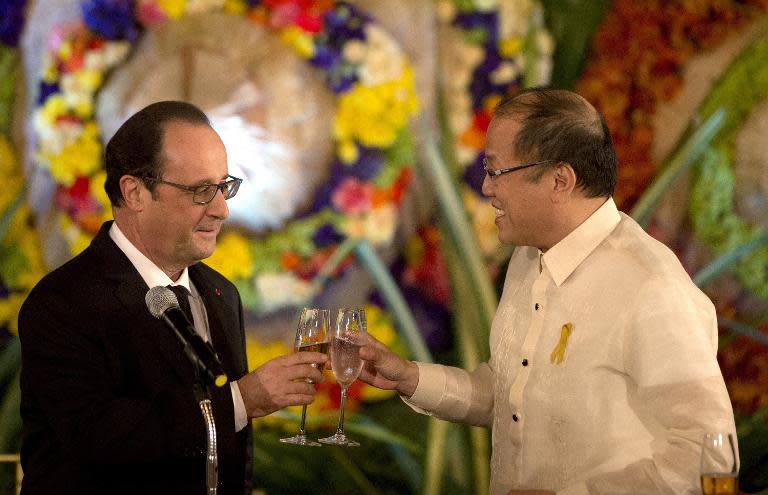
564,181
134,193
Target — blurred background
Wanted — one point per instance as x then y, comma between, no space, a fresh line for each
359,128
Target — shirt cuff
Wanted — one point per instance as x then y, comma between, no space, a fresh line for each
430,389
577,489
241,416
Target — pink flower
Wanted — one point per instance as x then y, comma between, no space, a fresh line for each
149,12
352,196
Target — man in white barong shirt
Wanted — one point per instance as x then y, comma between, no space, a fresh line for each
603,375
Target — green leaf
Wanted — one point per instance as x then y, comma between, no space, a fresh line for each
572,23
686,154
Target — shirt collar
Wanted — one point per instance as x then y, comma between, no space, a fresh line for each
563,258
151,273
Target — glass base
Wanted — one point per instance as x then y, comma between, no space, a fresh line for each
300,440
339,439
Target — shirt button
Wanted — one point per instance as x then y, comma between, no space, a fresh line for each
515,418
536,306
525,362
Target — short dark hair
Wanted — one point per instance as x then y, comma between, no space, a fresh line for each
136,147
561,126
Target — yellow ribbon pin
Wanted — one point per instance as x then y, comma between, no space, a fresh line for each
558,353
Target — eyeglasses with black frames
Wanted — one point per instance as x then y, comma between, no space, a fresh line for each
495,173
204,193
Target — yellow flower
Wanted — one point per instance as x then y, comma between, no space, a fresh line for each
174,8
232,258
53,108
258,352
78,158
300,40
9,311
96,189
235,7
509,47
90,79
348,152
373,114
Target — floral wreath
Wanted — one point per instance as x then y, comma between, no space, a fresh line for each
371,170
21,263
627,83
503,47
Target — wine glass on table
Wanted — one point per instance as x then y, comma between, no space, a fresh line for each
312,336
719,464
348,336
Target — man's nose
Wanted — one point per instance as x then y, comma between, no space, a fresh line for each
487,187
218,206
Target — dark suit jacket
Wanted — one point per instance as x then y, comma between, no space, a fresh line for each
107,401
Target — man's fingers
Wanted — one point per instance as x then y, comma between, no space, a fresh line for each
302,358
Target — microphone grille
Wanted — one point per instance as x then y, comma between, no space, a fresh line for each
159,299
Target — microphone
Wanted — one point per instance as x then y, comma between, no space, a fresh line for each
164,305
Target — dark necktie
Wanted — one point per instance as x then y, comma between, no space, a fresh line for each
182,294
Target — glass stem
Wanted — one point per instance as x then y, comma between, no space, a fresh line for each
340,429
303,418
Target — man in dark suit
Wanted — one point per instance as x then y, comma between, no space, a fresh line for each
107,393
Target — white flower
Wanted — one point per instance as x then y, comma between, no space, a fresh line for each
514,17
465,155
280,290
506,72
380,224
485,5
545,43
470,54
354,51
52,138
383,59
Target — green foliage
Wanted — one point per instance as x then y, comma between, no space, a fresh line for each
572,23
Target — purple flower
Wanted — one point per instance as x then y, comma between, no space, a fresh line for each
368,163
326,235
11,21
475,173
112,19
325,57
322,197
341,83
432,319
46,90
485,21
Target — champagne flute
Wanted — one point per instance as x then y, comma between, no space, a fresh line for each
719,465
312,336
348,337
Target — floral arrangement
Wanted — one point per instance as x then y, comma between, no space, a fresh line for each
367,179
21,264
636,62
635,65
491,49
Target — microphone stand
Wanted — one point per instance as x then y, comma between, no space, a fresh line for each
203,397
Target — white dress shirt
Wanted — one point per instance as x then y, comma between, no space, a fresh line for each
619,404
154,276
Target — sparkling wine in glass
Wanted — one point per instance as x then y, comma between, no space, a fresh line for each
311,336
719,465
348,337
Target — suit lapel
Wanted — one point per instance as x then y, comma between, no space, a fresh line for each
130,290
